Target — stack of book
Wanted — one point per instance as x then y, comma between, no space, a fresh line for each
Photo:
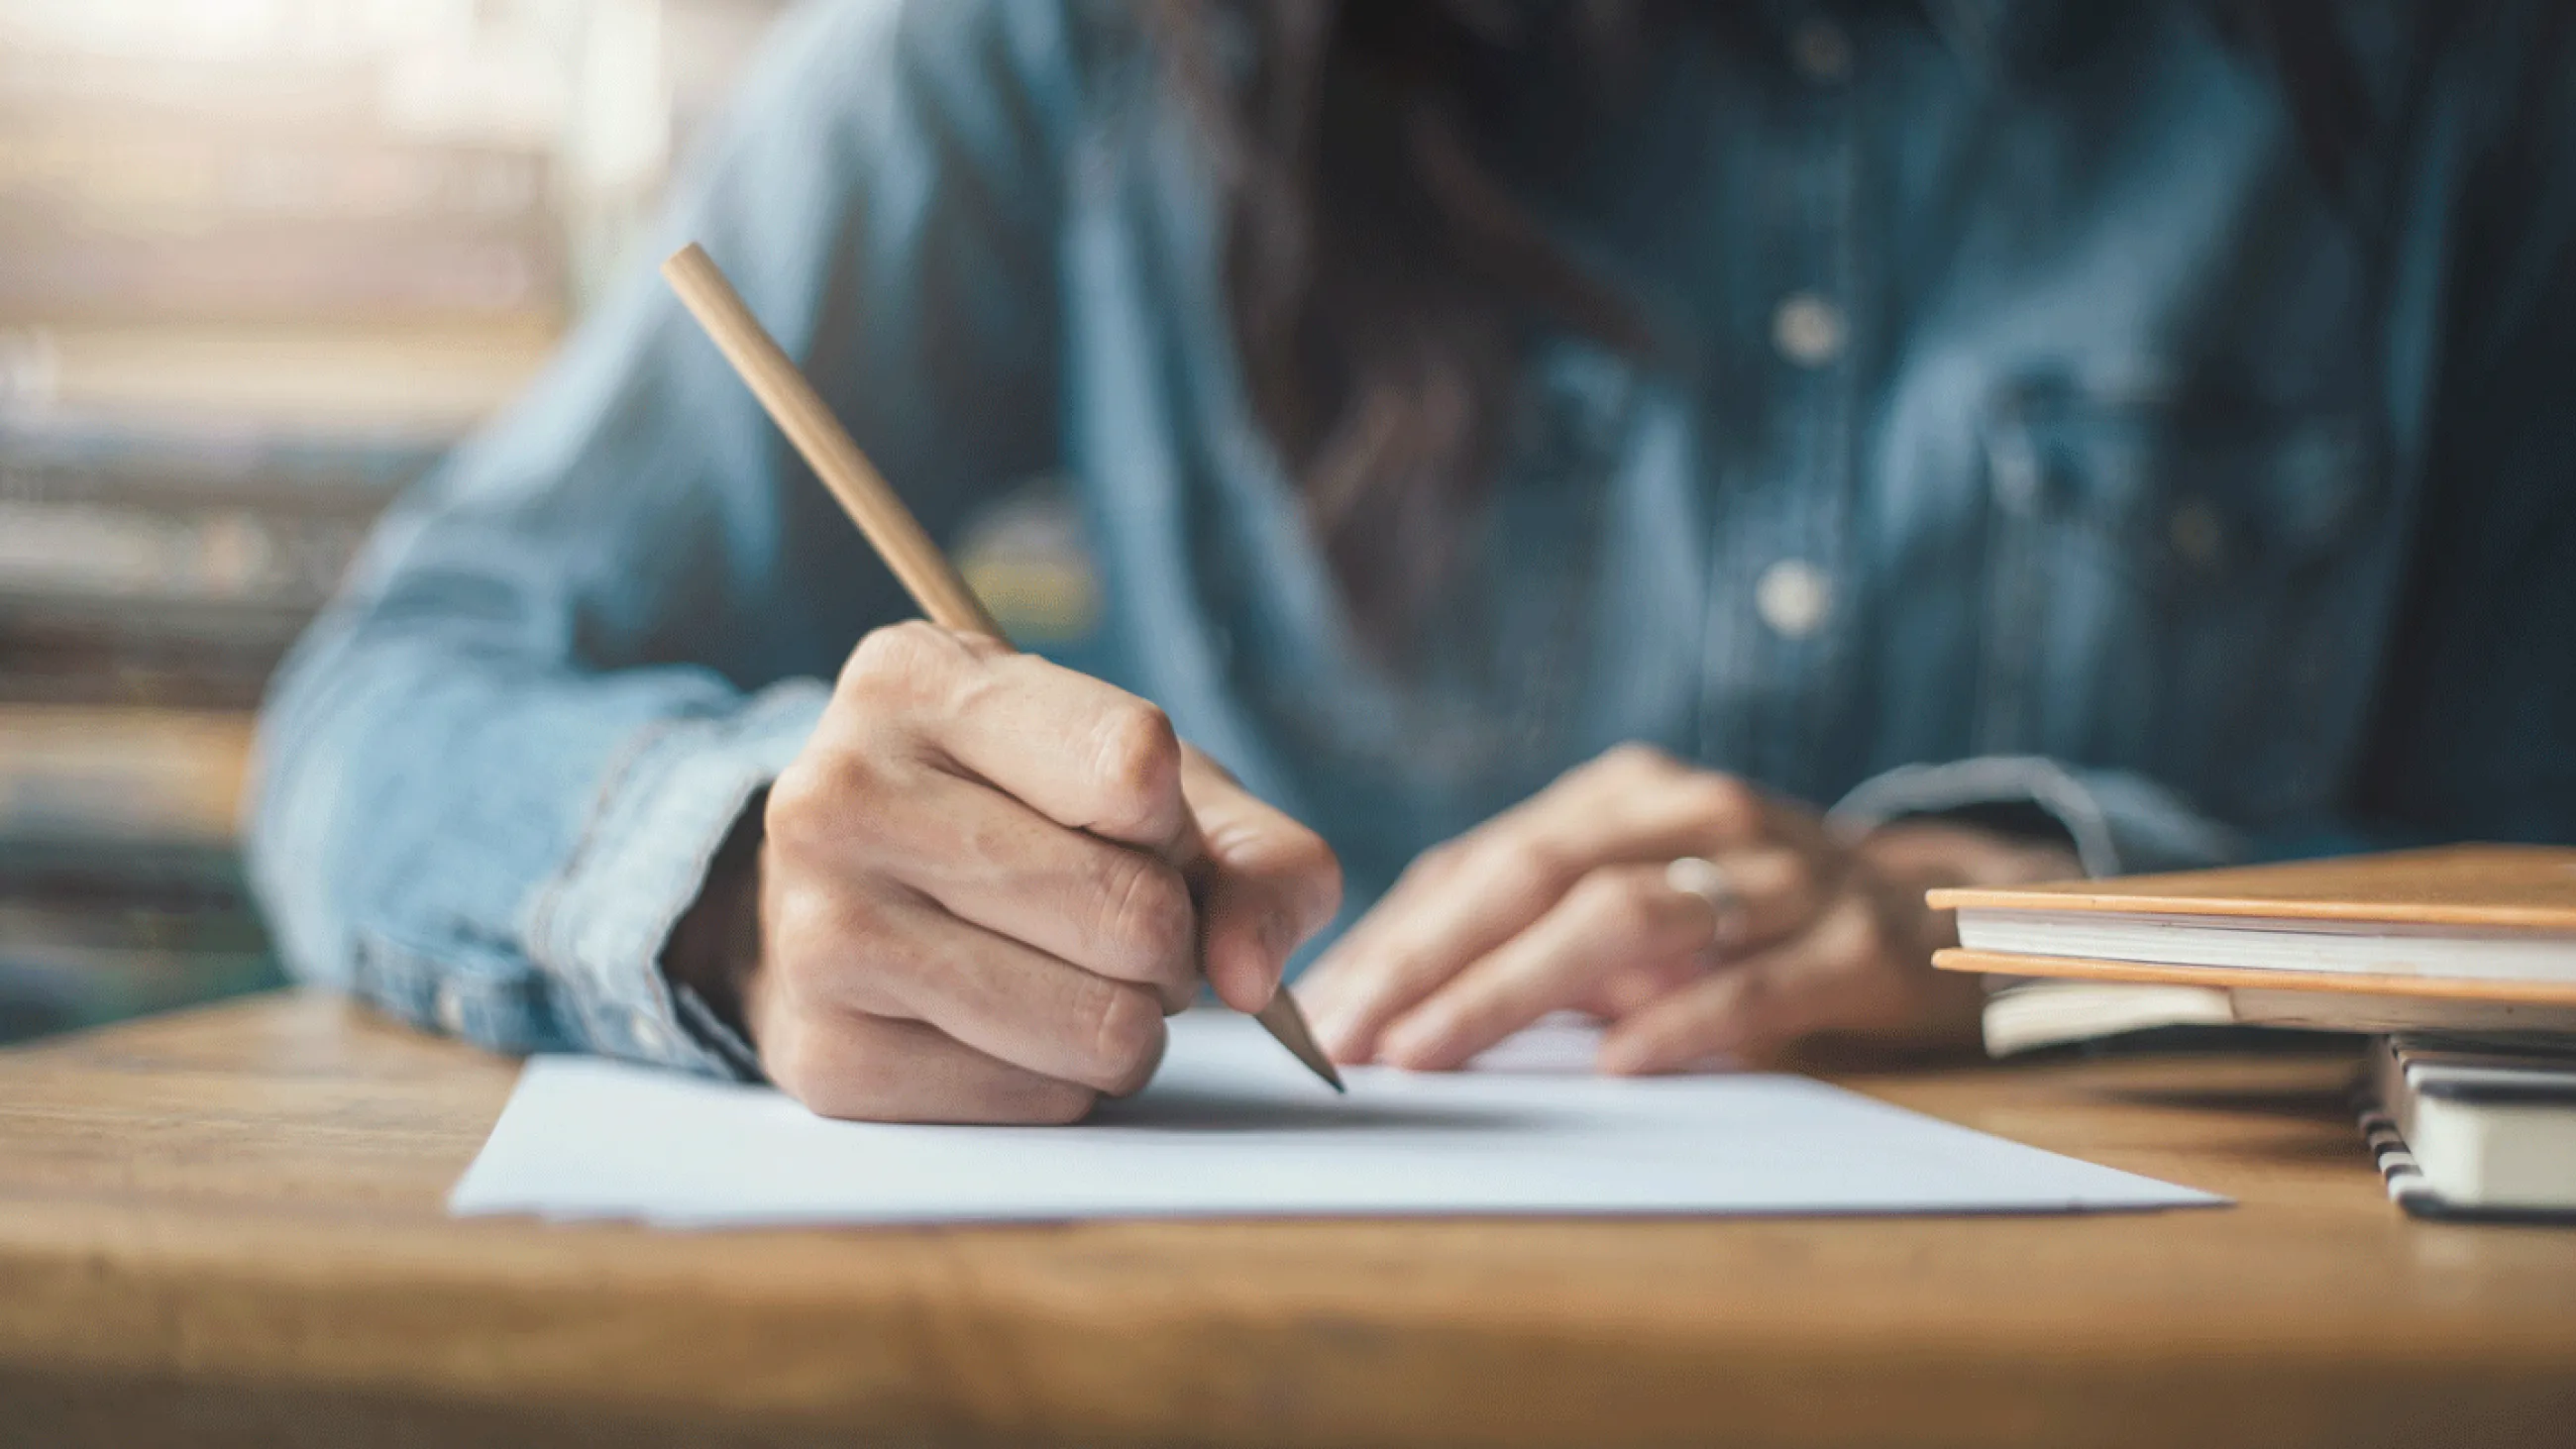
259,268
2460,962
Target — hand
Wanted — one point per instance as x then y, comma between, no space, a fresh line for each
985,881
1563,903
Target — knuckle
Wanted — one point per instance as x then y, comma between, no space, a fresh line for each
1137,762
1434,863
1637,758
1601,893
814,801
1127,1038
1617,901
1317,863
803,929
821,943
899,662
1531,866
799,801
1720,800
1310,871
1859,935
1409,966
1147,919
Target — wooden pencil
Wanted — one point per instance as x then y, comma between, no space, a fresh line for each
872,504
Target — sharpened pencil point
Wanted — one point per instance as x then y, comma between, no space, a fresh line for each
1287,1024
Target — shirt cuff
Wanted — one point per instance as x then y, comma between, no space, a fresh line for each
2119,823
598,928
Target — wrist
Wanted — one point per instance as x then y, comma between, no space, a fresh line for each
715,947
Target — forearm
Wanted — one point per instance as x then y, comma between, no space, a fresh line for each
480,846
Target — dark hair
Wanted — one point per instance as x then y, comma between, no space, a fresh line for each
1381,279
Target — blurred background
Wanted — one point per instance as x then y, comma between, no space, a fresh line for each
261,263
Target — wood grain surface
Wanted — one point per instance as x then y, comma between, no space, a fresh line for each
224,1227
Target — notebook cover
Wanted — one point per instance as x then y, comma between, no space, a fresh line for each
2411,1190
2495,887
2437,1068
1999,963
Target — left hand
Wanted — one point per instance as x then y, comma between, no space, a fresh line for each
1563,903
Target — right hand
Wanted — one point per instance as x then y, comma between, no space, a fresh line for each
986,880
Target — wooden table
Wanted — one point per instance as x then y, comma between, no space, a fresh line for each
223,1227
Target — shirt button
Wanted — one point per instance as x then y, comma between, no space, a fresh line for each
1808,330
2197,533
1820,50
1793,597
650,1037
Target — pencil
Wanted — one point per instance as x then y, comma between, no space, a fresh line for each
871,502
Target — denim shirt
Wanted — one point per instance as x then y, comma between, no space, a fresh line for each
2043,427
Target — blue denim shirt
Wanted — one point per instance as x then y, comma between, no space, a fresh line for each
2043,428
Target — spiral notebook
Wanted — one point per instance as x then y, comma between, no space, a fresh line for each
2470,1128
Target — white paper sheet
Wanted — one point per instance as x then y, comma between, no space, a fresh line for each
1233,1127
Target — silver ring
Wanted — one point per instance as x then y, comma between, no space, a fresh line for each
1694,875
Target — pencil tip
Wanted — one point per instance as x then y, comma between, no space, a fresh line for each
1286,1023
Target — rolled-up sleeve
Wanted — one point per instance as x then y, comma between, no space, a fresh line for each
2118,822
494,773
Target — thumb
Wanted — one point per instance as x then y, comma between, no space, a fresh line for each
1266,884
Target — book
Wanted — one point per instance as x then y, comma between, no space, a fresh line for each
102,775
170,562
2036,1013
93,931
2464,1127
294,270
2470,922
124,175
216,555
54,458
378,384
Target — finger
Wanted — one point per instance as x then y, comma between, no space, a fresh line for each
1630,985
994,994
1271,884
1617,915
872,1069
1084,753
1507,874
1752,1009
1336,980
992,861
1636,802
1770,893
